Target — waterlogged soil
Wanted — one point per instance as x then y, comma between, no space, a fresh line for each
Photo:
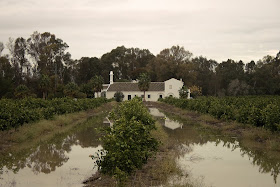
62,160
206,156
215,157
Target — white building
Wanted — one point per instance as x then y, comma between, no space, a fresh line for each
130,90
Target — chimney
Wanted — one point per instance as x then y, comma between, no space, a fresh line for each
111,77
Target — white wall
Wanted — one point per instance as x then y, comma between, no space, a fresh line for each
153,95
172,87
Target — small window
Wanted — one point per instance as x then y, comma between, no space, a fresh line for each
170,86
149,96
135,95
160,96
129,97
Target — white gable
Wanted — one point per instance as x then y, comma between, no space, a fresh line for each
172,87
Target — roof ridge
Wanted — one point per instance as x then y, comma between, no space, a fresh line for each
136,82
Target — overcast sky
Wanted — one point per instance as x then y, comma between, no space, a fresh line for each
217,29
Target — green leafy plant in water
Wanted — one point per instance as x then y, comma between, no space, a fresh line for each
128,144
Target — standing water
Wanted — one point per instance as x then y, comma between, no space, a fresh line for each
219,161
62,162
214,160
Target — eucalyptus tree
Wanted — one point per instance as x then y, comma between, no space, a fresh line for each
1,48
144,83
18,58
48,53
127,63
6,76
174,62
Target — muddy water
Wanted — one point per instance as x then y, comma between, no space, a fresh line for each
213,160
64,161
208,158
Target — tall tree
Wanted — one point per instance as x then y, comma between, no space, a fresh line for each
227,71
44,84
172,63
87,68
49,53
205,74
96,83
18,58
144,83
1,48
6,77
266,76
127,63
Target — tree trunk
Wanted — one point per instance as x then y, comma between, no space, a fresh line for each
144,96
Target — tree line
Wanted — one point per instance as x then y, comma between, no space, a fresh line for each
40,66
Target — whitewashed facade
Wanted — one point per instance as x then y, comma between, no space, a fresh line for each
130,90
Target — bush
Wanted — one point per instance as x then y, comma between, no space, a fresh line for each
119,96
260,111
14,113
128,144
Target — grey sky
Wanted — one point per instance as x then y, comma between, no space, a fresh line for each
218,29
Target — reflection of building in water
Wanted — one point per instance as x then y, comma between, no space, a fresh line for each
107,121
155,112
171,124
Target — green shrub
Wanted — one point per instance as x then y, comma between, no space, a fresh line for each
260,111
119,96
14,113
128,144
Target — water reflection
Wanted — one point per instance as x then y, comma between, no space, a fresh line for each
165,121
107,121
52,158
221,160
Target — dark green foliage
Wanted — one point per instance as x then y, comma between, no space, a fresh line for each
144,83
128,144
42,63
14,113
96,83
119,96
260,111
44,85
22,92
183,92
87,89
72,90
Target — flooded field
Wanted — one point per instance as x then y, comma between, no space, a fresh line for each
62,162
209,158
219,161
